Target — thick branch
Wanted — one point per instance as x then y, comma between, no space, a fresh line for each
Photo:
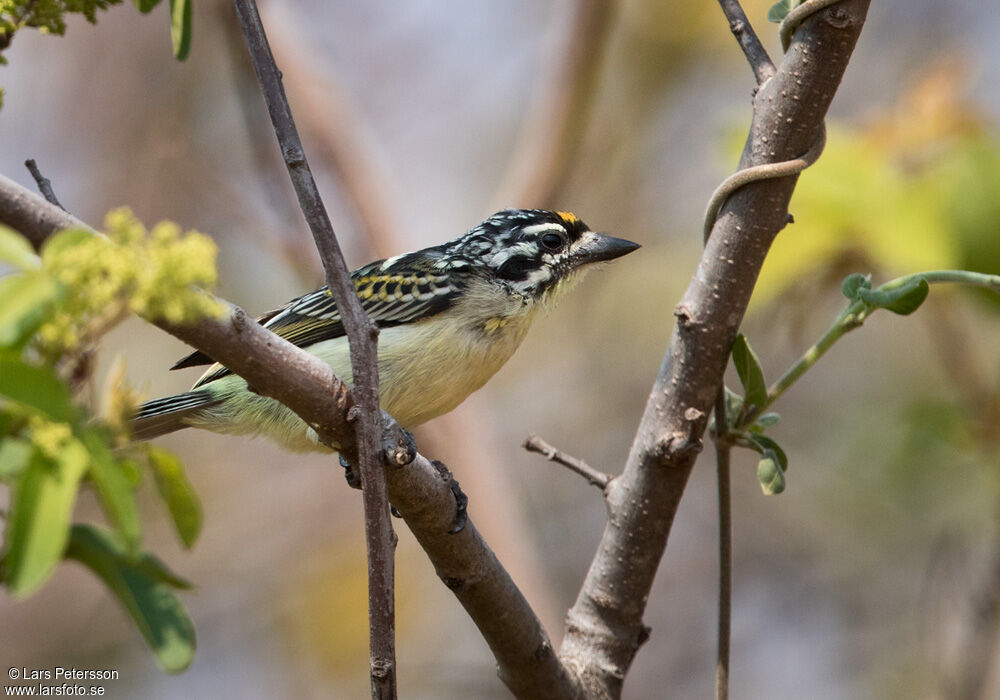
604,627
307,385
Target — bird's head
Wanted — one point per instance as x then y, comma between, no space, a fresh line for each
534,252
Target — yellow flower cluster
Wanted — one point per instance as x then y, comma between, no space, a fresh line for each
48,436
157,274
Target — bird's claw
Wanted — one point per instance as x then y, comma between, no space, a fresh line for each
352,475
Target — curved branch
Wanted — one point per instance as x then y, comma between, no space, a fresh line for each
604,627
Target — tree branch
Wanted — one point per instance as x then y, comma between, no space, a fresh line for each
526,661
604,627
44,184
594,477
760,63
362,335
723,450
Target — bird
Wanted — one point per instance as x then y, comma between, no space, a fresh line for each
449,317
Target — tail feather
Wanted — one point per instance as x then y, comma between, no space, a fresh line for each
162,416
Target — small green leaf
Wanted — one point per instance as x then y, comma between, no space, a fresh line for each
751,374
780,10
770,475
180,27
767,420
854,282
177,493
25,303
113,487
15,454
765,443
40,512
145,6
37,388
902,300
16,251
142,584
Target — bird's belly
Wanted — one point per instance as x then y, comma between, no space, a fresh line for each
425,370
432,369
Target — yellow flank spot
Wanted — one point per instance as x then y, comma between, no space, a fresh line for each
366,293
568,217
494,324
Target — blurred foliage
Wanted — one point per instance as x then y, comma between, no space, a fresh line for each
55,307
49,17
918,188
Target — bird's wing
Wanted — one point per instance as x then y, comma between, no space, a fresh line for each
393,292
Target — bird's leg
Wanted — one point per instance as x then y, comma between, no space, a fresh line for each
352,475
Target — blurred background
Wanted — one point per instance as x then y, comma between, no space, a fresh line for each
876,574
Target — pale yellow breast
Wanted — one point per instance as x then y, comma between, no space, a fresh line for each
426,369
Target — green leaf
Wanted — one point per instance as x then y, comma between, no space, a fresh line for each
902,300
113,487
25,303
16,251
767,420
55,245
765,443
770,475
15,454
780,9
145,6
751,374
853,283
37,388
143,585
180,27
40,512
177,493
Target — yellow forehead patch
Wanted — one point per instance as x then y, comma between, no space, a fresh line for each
568,217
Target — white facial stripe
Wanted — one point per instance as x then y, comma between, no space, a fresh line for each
538,228
522,248
542,274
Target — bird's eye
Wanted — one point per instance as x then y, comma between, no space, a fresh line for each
553,242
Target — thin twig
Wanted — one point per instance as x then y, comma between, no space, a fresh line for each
44,184
363,336
760,63
722,453
594,477
332,121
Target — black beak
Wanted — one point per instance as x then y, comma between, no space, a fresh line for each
603,248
